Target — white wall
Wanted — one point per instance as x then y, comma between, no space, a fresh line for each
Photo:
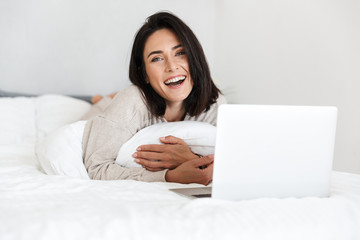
294,52
82,46
260,52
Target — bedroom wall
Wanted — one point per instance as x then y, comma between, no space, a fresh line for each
82,46
260,52
294,52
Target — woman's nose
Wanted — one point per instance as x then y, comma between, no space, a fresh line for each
171,65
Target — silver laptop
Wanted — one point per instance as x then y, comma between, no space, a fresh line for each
271,151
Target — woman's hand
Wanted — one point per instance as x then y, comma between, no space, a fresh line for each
156,157
199,170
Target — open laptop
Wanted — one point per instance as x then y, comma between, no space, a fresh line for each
271,151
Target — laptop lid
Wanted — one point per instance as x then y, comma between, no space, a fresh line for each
273,151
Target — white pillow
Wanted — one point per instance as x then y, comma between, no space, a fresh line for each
54,111
25,119
17,121
199,136
60,152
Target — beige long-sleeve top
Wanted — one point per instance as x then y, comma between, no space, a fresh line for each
105,134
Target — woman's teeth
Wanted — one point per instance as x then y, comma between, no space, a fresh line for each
175,81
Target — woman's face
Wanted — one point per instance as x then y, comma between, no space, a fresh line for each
167,66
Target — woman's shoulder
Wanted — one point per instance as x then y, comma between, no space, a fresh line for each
220,100
214,107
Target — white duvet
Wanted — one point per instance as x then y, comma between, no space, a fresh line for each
37,206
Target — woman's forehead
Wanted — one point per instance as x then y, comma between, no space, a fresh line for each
161,40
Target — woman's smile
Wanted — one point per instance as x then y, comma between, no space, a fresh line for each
175,82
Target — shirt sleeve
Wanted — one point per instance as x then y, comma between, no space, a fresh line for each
104,135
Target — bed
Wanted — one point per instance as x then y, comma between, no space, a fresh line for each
34,205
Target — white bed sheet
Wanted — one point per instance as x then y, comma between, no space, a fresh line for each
38,206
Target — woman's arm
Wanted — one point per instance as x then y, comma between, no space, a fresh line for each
101,143
104,135
100,163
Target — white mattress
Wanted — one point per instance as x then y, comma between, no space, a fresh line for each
38,206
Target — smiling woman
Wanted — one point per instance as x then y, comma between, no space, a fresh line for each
167,71
171,82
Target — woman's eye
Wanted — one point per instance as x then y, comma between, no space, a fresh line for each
180,53
156,59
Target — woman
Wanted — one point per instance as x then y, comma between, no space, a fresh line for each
171,82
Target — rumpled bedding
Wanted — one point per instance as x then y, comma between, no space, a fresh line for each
36,206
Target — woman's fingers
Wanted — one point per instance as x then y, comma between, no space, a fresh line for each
152,164
149,155
204,161
169,155
152,148
161,147
171,140
153,160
